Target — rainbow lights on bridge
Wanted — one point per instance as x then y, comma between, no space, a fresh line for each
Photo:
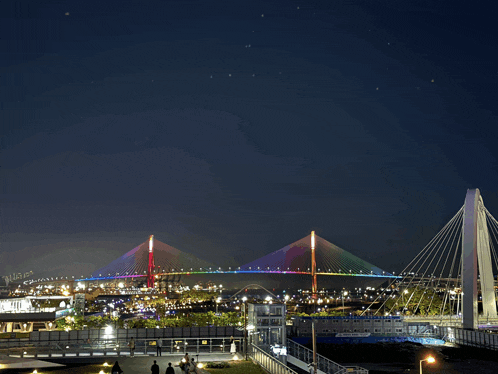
311,255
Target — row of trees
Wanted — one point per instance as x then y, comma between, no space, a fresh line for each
79,322
177,320
324,313
414,301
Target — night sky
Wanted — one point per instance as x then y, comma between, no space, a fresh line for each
230,129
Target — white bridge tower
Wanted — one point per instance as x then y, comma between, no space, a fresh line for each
476,259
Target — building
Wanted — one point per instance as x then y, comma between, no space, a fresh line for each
330,326
371,329
4,287
33,313
266,324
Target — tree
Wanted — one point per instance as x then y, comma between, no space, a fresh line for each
196,296
417,301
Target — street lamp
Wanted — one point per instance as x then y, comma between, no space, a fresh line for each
403,300
429,359
217,301
244,299
344,294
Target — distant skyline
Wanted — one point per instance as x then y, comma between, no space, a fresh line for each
229,130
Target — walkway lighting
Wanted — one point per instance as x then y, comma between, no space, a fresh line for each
344,294
429,359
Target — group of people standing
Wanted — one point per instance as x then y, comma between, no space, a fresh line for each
154,369
131,345
188,365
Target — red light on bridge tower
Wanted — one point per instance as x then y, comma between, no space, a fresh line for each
150,269
313,267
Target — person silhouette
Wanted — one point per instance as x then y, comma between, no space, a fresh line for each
170,369
193,366
131,344
154,369
116,369
186,361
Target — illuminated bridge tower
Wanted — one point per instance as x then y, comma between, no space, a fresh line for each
313,267
476,252
150,268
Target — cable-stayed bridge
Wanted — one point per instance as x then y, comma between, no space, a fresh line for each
452,277
155,259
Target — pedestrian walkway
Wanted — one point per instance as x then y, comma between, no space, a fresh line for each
131,365
7,362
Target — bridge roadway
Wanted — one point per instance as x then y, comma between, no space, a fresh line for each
194,272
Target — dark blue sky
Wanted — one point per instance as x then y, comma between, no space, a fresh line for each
229,129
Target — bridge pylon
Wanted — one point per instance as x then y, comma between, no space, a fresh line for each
314,286
150,268
476,258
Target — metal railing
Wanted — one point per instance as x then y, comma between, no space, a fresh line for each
473,338
102,334
267,362
304,354
119,347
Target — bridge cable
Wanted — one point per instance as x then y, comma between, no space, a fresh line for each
450,276
494,229
417,258
454,235
451,228
412,263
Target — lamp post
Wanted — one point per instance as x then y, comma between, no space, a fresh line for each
217,301
429,359
403,300
313,297
344,294
244,299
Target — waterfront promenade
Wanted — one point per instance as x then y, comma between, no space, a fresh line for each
137,364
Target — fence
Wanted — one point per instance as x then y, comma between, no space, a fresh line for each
304,354
449,320
111,334
119,347
109,341
473,338
269,363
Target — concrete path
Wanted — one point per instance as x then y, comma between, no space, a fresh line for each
142,364
7,362
129,365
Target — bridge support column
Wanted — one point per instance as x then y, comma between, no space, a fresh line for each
485,264
475,252
150,268
314,287
469,260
